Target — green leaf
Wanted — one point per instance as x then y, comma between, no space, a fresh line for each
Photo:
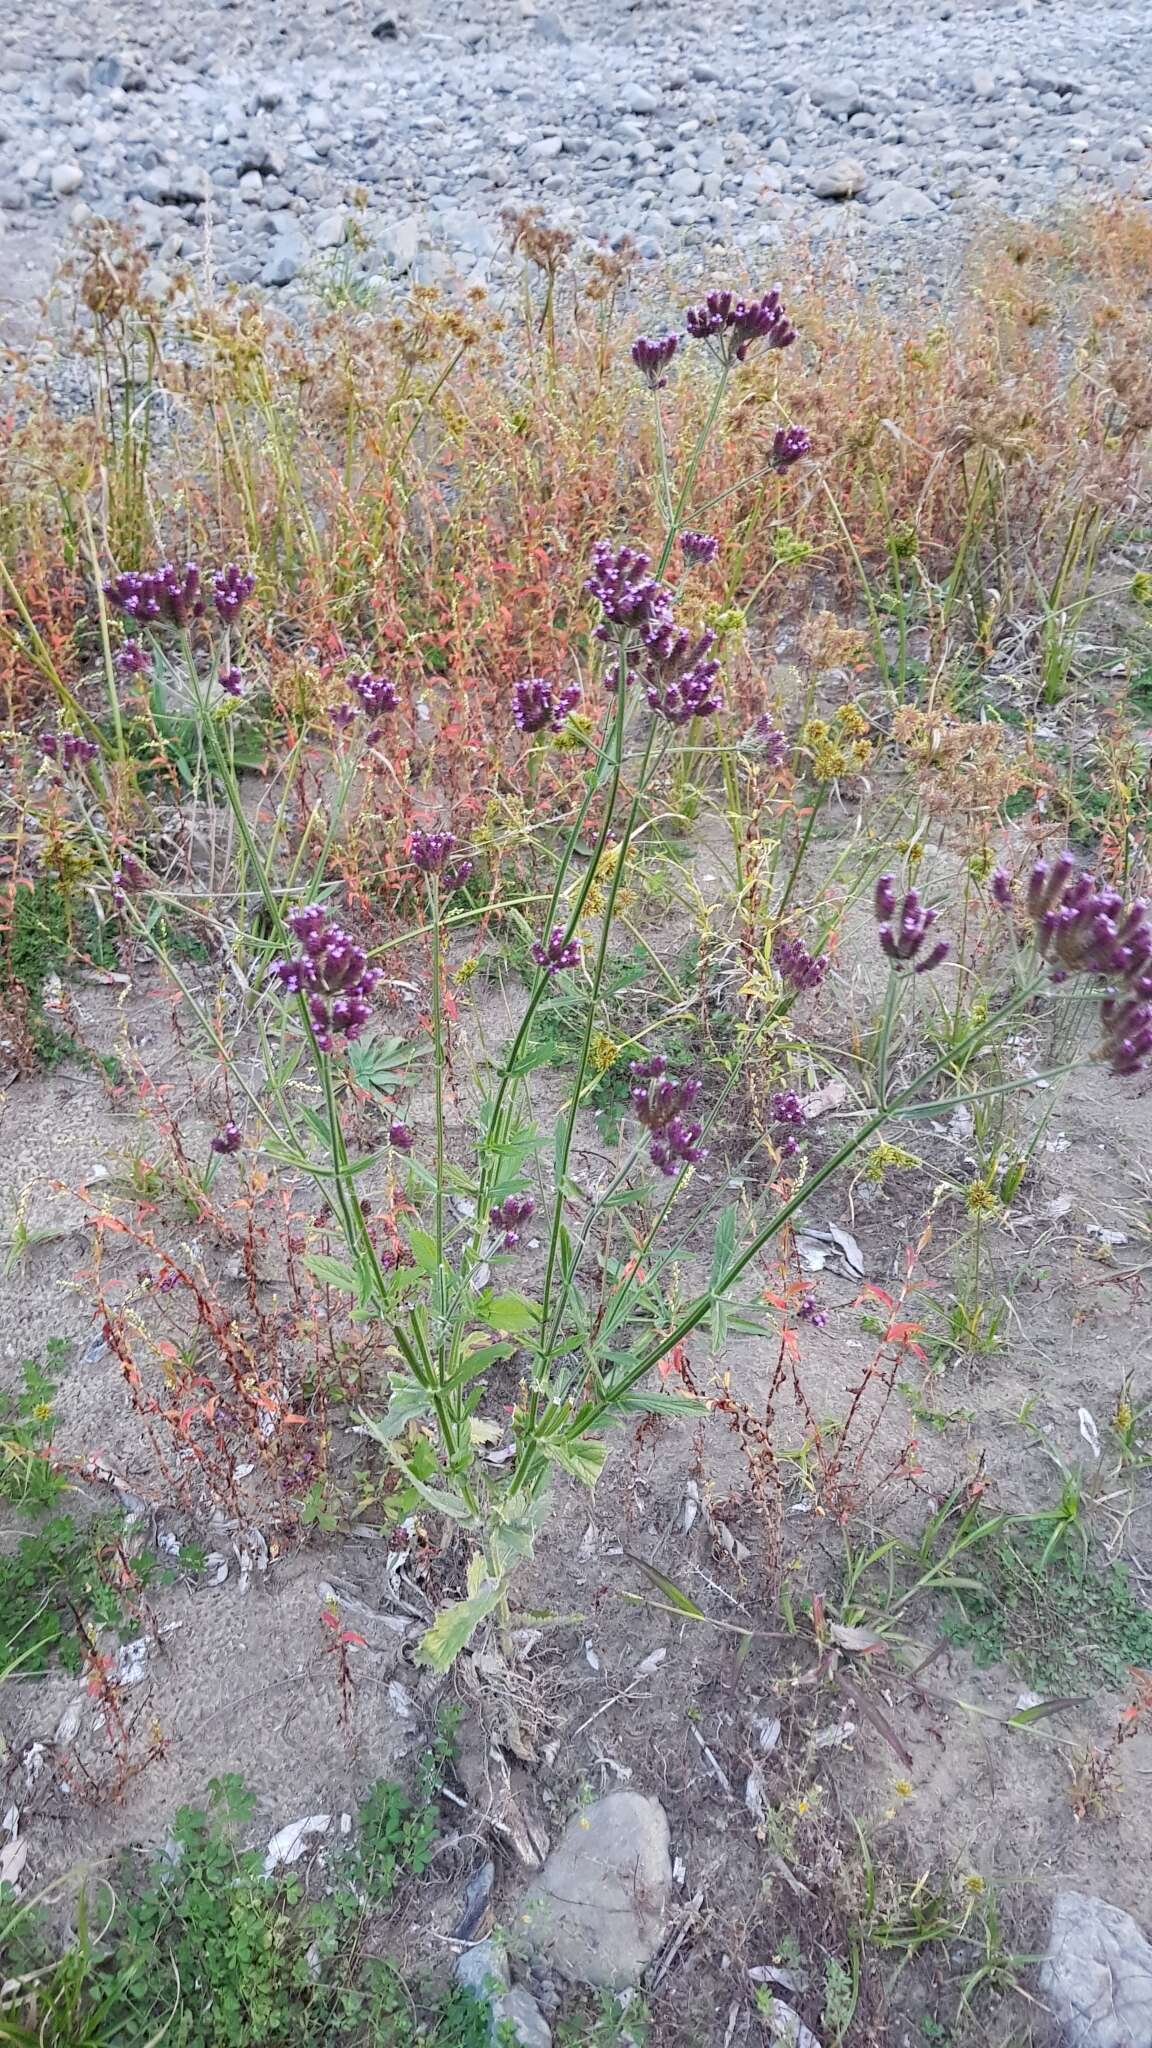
637,1402
423,1249
669,1588
410,1403
510,1312
333,1272
582,1456
454,1628
724,1243
450,1504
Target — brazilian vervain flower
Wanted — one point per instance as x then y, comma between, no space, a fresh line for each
653,357
232,682
731,325
902,936
377,694
132,659
508,1218
789,445
556,952
165,596
796,965
231,589
680,674
630,598
228,1140
399,1136
663,1106
331,972
70,749
535,704
699,547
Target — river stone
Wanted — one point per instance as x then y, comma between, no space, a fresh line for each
1096,1977
597,1911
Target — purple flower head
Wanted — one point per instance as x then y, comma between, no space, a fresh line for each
342,716
731,325
430,851
699,547
1000,886
787,1108
128,879
166,596
535,704
331,972
1083,927
902,936
789,445
376,693
399,1136
653,357
228,1140
769,741
808,1312
680,675
132,659
796,965
455,877
555,952
70,749
232,682
231,588
508,1218
630,599
663,1106
1127,1026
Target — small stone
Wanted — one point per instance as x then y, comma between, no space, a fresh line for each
638,99
779,152
685,184
1096,1977
838,96
331,231
983,84
401,242
66,179
705,73
845,178
285,262
548,28
899,203
483,1970
597,1911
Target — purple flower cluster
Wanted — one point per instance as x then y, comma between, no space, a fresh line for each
796,965
628,596
732,324
663,1105
556,952
787,1108
431,852
128,879
902,936
535,704
809,1313
699,547
70,749
1082,927
132,659
377,694
231,681
228,1140
653,357
789,445
169,596
508,1217
231,589
769,741
331,972
680,675
399,1136
165,596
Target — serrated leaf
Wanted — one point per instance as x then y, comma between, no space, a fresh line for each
637,1402
454,1628
333,1272
450,1504
409,1403
582,1456
668,1588
510,1312
423,1249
